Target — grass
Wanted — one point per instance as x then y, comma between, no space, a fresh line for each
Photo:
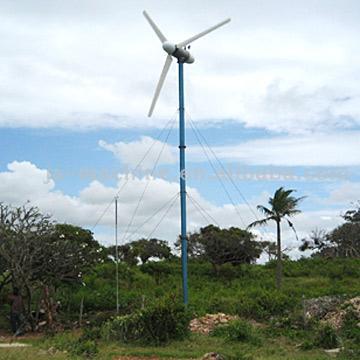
193,348
250,293
32,353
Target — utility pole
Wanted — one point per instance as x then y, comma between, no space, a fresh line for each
116,254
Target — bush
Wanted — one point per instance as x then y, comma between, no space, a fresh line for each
261,304
82,346
86,348
91,333
351,351
238,330
126,328
350,329
158,270
157,324
326,337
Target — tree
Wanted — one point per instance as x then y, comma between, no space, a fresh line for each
353,215
143,249
125,253
5,275
221,246
195,249
66,253
158,269
40,254
22,230
270,249
343,241
282,206
152,248
317,240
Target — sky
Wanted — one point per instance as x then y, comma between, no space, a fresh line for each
272,97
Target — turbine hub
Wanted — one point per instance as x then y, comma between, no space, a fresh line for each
169,47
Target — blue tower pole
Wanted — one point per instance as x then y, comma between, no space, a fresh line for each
182,183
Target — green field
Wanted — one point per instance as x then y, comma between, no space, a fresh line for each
247,291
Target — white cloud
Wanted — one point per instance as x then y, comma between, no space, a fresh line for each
146,152
22,176
317,149
345,193
321,149
281,66
25,181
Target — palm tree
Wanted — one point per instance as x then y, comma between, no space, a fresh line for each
283,206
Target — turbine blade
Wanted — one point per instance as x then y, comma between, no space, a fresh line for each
164,72
195,37
155,27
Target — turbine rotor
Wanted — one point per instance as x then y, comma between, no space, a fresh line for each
174,50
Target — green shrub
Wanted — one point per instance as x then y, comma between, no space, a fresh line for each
82,346
91,333
326,337
96,319
220,331
156,324
350,329
237,330
261,304
85,348
126,328
351,351
285,322
158,270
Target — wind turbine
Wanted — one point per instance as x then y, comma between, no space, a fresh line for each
180,52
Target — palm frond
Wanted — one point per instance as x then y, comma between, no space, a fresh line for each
266,211
291,225
260,222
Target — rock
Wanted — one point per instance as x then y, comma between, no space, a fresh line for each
13,345
317,308
355,304
212,356
207,323
336,318
52,351
333,352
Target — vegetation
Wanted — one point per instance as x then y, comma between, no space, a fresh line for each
343,241
282,207
143,249
224,246
238,330
68,268
40,256
156,324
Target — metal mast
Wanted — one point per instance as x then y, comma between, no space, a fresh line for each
182,183
180,52
116,254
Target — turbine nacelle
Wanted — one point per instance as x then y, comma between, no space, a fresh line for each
181,54
174,50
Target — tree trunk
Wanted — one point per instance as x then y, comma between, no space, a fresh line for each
48,303
28,306
279,257
81,311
